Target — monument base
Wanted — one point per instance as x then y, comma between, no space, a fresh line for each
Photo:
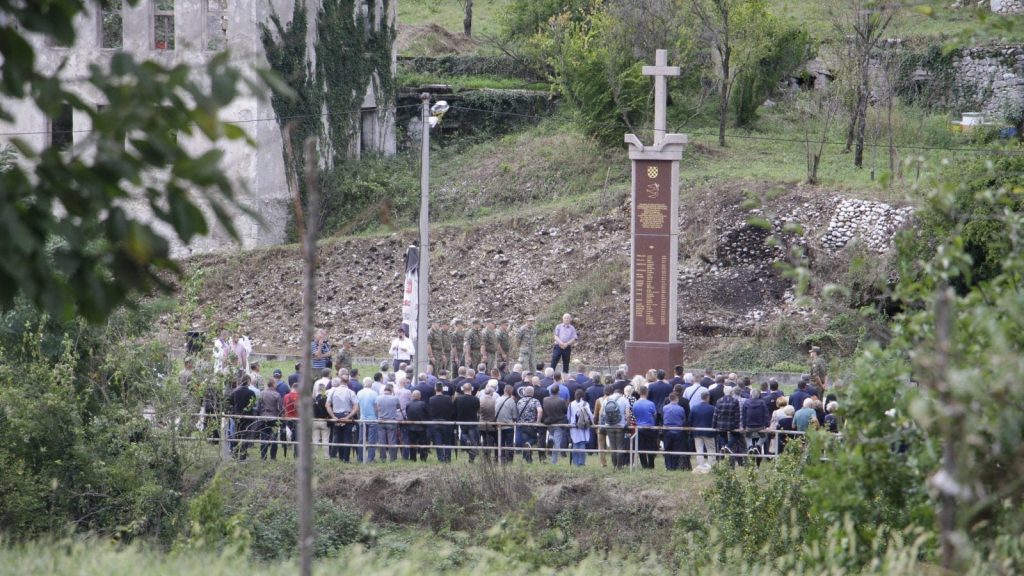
643,356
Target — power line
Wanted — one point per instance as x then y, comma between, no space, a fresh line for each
247,121
994,151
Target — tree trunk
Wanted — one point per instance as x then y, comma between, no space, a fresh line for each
305,471
723,96
812,169
862,116
467,20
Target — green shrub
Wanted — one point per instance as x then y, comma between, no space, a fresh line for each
77,454
785,50
359,194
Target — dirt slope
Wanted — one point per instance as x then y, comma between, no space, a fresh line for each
512,266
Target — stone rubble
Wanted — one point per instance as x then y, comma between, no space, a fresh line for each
729,280
874,223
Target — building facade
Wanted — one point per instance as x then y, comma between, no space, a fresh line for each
191,32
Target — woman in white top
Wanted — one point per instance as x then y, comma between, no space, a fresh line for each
402,350
581,418
778,414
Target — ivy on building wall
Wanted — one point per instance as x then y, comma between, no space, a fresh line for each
351,50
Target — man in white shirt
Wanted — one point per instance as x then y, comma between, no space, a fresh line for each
693,390
341,402
402,349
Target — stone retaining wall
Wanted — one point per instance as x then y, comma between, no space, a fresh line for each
1007,6
991,76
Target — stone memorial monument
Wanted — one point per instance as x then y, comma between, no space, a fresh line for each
655,240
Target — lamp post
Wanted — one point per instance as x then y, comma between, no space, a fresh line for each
431,117
423,292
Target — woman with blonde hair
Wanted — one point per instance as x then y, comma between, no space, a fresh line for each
781,403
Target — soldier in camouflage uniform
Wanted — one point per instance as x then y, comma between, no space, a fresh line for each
434,345
444,360
473,350
819,370
525,336
458,343
490,340
504,342
345,356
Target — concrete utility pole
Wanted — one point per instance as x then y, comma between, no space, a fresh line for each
423,294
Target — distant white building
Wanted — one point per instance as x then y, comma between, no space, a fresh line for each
190,32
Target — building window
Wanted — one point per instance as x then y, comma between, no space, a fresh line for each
62,128
368,130
163,24
364,14
111,24
216,24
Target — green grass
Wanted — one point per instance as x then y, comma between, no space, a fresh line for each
487,14
461,83
933,19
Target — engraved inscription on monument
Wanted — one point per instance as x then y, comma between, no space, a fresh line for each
653,197
651,289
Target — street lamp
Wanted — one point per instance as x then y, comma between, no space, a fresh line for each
430,117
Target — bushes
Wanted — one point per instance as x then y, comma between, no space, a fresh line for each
784,51
77,454
375,190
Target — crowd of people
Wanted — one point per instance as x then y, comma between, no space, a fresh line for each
496,412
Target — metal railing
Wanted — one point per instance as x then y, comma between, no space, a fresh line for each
236,433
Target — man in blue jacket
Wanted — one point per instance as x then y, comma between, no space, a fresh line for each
702,415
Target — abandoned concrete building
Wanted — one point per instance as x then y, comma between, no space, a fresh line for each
190,32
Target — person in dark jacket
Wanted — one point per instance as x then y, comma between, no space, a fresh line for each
416,434
772,398
442,410
467,409
702,415
727,421
243,403
796,399
756,417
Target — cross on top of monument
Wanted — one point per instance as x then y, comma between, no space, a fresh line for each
661,70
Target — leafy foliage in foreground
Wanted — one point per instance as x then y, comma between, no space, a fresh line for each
68,244
77,453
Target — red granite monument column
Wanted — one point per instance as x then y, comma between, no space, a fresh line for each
655,240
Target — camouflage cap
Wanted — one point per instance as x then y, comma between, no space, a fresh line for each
530,318
456,320
475,321
815,348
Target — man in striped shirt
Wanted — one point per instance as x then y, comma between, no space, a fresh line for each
321,349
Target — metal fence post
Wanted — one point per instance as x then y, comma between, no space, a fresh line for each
225,449
362,436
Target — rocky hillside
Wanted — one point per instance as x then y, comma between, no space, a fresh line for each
542,264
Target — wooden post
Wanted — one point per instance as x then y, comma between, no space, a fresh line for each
308,228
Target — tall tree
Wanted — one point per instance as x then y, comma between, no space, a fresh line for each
67,243
862,24
736,33
467,17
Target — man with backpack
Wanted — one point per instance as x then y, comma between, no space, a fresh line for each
323,423
529,415
613,418
581,418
